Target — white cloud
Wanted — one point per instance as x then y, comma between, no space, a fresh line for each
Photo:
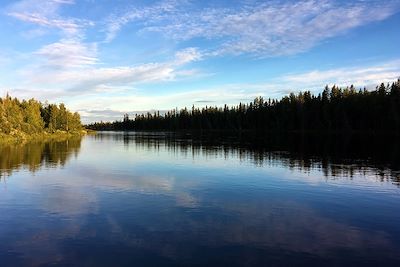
261,28
187,55
70,27
68,53
74,67
117,76
46,15
232,94
358,76
116,21
45,8
64,1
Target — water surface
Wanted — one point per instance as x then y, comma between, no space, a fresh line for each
160,199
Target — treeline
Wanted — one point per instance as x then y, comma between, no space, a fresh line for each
334,110
33,117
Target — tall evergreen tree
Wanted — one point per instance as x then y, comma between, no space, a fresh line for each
335,110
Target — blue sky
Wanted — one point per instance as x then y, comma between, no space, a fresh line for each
104,58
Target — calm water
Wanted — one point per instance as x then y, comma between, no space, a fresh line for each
137,199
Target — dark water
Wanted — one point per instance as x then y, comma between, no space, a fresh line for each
126,199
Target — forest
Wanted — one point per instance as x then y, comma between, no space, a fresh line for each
335,109
28,117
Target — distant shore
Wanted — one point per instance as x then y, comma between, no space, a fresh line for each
334,110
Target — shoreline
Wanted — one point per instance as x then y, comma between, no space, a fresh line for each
20,137
257,132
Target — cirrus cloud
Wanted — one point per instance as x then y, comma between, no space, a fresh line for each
264,29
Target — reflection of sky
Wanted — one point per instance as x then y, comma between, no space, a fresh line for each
169,205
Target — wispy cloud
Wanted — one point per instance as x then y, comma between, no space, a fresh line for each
72,69
46,15
70,27
71,59
98,82
155,12
187,55
261,28
232,94
68,53
358,76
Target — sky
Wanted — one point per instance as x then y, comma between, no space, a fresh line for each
105,58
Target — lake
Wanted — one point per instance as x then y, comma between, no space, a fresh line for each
164,199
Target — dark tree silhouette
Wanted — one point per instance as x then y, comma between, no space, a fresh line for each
334,110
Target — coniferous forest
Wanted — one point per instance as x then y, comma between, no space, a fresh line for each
333,110
29,117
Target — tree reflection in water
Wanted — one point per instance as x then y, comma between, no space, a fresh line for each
34,155
338,156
